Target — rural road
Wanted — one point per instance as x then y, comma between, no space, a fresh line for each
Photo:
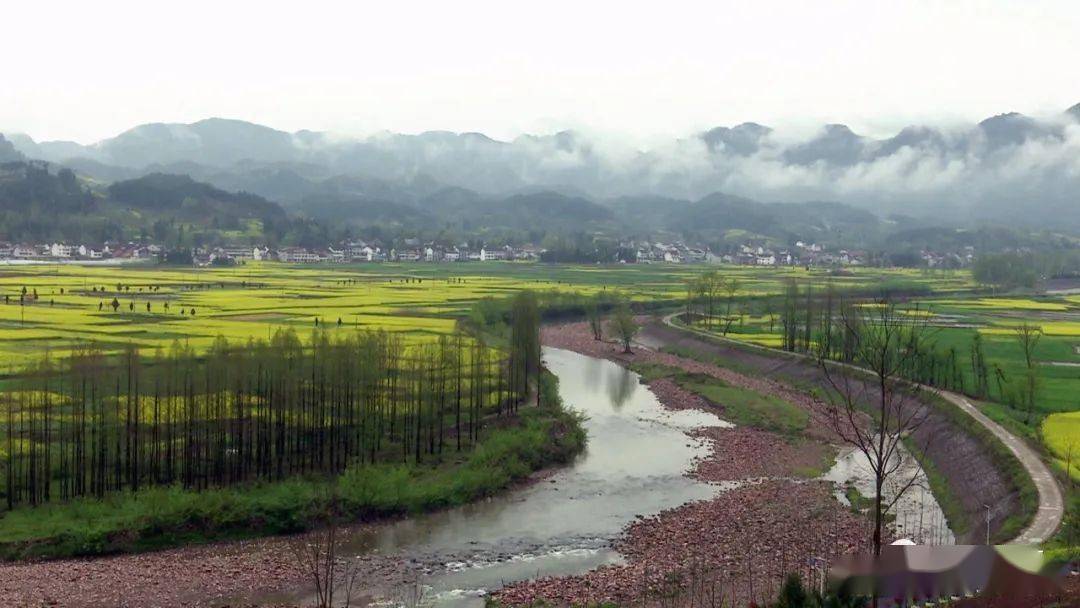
1051,507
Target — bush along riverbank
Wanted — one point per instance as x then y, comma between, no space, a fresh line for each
512,449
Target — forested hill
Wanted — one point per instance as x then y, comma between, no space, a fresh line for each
39,202
184,198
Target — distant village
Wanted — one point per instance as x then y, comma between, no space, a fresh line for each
412,250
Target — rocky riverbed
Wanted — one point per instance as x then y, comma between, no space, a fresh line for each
740,544
189,576
768,519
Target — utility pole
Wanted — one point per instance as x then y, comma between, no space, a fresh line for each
987,524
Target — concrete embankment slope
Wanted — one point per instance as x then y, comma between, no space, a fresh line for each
1051,504
973,473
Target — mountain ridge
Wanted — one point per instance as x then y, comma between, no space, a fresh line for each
1005,166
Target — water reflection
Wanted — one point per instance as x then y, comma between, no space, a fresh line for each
918,515
634,465
621,384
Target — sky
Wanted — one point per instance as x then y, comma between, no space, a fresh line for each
84,71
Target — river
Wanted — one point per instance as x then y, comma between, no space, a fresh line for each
633,466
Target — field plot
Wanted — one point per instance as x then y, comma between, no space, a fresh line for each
953,325
53,307
1062,435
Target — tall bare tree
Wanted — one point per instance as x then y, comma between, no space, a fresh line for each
592,312
731,289
624,326
318,557
1027,338
870,406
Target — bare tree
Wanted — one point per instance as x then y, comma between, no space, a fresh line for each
731,289
318,557
592,312
872,408
769,309
1027,337
624,326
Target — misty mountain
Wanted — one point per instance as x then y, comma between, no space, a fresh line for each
215,141
353,209
742,140
462,209
41,202
835,145
8,153
1009,167
551,210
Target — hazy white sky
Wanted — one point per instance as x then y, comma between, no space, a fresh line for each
87,70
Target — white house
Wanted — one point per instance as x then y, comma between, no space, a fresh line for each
60,250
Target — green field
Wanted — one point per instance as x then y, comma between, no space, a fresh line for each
73,303
1062,434
55,309
954,322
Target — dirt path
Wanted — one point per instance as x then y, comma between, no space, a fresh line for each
1051,504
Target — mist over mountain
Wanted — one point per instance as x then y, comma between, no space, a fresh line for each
8,153
1006,168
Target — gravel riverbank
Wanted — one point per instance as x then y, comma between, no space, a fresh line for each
189,576
739,544
768,522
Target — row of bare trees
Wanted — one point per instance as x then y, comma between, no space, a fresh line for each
94,424
874,355
711,297
804,312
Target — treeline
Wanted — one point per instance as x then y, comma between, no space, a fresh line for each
825,321
581,248
1014,269
92,425
816,319
1006,270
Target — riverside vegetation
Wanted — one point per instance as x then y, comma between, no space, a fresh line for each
104,454
172,321
1015,357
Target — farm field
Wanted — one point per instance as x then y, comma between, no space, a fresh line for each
953,325
65,305
1062,434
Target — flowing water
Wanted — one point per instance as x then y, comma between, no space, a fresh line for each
634,466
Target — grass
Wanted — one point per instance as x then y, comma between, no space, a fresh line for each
950,504
423,300
741,406
1003,458
856,501
747,408
162,517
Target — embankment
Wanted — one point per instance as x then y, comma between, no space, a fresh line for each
967,466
